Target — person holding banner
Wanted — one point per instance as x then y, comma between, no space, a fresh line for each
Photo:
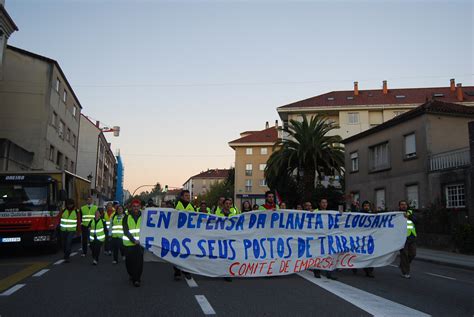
323,205
131,240
220,204
97,231
203,208
408,253
227,211
369,271
269,202
246,206
183,204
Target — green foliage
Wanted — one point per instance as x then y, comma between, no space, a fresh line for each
306,151
221,189
463,236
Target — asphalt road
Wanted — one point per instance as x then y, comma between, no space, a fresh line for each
31,284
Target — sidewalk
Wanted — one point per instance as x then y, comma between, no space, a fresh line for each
445,258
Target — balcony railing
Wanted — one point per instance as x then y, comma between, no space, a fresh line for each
451,159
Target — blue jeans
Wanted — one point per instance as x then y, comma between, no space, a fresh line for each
67,242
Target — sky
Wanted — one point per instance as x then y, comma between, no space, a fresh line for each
183,78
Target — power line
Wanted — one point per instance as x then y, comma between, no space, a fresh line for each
260,83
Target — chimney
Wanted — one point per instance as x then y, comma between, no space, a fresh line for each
459,96
276,123
385,89
267,125
452,85
356,88
97,123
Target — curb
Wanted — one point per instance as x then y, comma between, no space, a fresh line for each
456,265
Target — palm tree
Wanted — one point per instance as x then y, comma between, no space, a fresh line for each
307,151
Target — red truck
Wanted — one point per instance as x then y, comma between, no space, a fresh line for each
30,205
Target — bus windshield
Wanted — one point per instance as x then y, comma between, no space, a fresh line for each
23,197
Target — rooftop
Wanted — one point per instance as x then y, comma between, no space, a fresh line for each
269,135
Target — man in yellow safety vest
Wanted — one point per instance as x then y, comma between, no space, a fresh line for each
131,241
408,253
87,214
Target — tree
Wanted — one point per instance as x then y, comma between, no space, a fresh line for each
219,189
306,153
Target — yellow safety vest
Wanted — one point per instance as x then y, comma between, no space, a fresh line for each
179,206
88,214
410,225
69,221
116,226
134,229
233,212
97,230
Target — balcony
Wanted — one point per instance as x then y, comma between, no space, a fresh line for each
452,159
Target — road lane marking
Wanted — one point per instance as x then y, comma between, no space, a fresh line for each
442,276
191,282
58,262
73,254
12,290
392,265
205,306
38,274
13,279
373,304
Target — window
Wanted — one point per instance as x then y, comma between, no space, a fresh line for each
262,167
51,153
379,157
353,117
66,163
263,182
61,129
58,82
59,158
248,185
412,196
72,166
410,145
249,151
68,135
74,111
64,96
263,151
54,119
355,161
73,141
248,169
455,197
380,199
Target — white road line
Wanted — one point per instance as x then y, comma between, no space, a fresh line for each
442,276
392,265
73,254
205,306
191,282
38,274
12,290
58,262
373,304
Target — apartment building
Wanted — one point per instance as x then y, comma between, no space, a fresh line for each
200,183
252,150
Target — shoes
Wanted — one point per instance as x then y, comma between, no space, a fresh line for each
94,262
317,274
406,276
187,275
330,277
83,254
114,262
136,283
227,279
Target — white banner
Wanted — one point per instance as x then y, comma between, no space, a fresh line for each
267,243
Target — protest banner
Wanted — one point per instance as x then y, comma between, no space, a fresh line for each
268,243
